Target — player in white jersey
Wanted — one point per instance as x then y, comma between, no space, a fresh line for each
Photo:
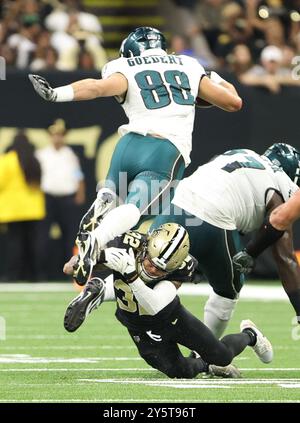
229,196
158,92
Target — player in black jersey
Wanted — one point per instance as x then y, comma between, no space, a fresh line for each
147,272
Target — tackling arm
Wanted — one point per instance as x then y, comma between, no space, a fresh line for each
156,299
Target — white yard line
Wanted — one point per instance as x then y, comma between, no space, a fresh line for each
193,382
134,369
142,400
70,369
249,292
69,347
27,359
37,287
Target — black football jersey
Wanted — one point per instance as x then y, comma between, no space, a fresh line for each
129,312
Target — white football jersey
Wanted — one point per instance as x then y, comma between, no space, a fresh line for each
232,191
162,89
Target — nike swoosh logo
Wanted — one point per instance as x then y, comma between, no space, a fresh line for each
174,322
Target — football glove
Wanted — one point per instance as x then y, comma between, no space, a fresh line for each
42,87
243,262
121,261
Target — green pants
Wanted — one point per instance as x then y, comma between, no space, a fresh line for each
144,171
213,247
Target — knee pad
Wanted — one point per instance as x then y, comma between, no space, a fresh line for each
220,306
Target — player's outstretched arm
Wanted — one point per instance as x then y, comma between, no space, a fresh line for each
220,93
85,89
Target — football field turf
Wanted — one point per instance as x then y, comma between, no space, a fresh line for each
41,362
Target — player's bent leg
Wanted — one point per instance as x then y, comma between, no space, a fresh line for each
218,246
193,334
179,368
218,311
87,301
90,244
166,356
116,222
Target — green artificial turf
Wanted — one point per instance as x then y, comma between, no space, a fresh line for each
40,361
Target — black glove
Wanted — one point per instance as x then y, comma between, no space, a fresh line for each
243,262
42,87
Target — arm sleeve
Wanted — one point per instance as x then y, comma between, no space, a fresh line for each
153,300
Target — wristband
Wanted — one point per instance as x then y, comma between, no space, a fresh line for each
65,93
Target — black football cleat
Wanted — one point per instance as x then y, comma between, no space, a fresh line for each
87,257
87,301
230,371
105,200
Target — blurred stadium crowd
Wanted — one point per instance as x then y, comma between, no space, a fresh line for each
43,35
252,37
255,40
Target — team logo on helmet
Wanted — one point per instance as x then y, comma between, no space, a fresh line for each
287,158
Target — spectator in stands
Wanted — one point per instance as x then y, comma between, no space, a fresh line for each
234,28
51,58
288,53
45,56
63,184
184,24
86,61
64,24
72,28
8,54
24,42
274,33
271,74
21,207
181,44
240,60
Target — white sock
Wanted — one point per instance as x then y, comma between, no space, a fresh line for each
116,222
216,325
109,294
218,311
